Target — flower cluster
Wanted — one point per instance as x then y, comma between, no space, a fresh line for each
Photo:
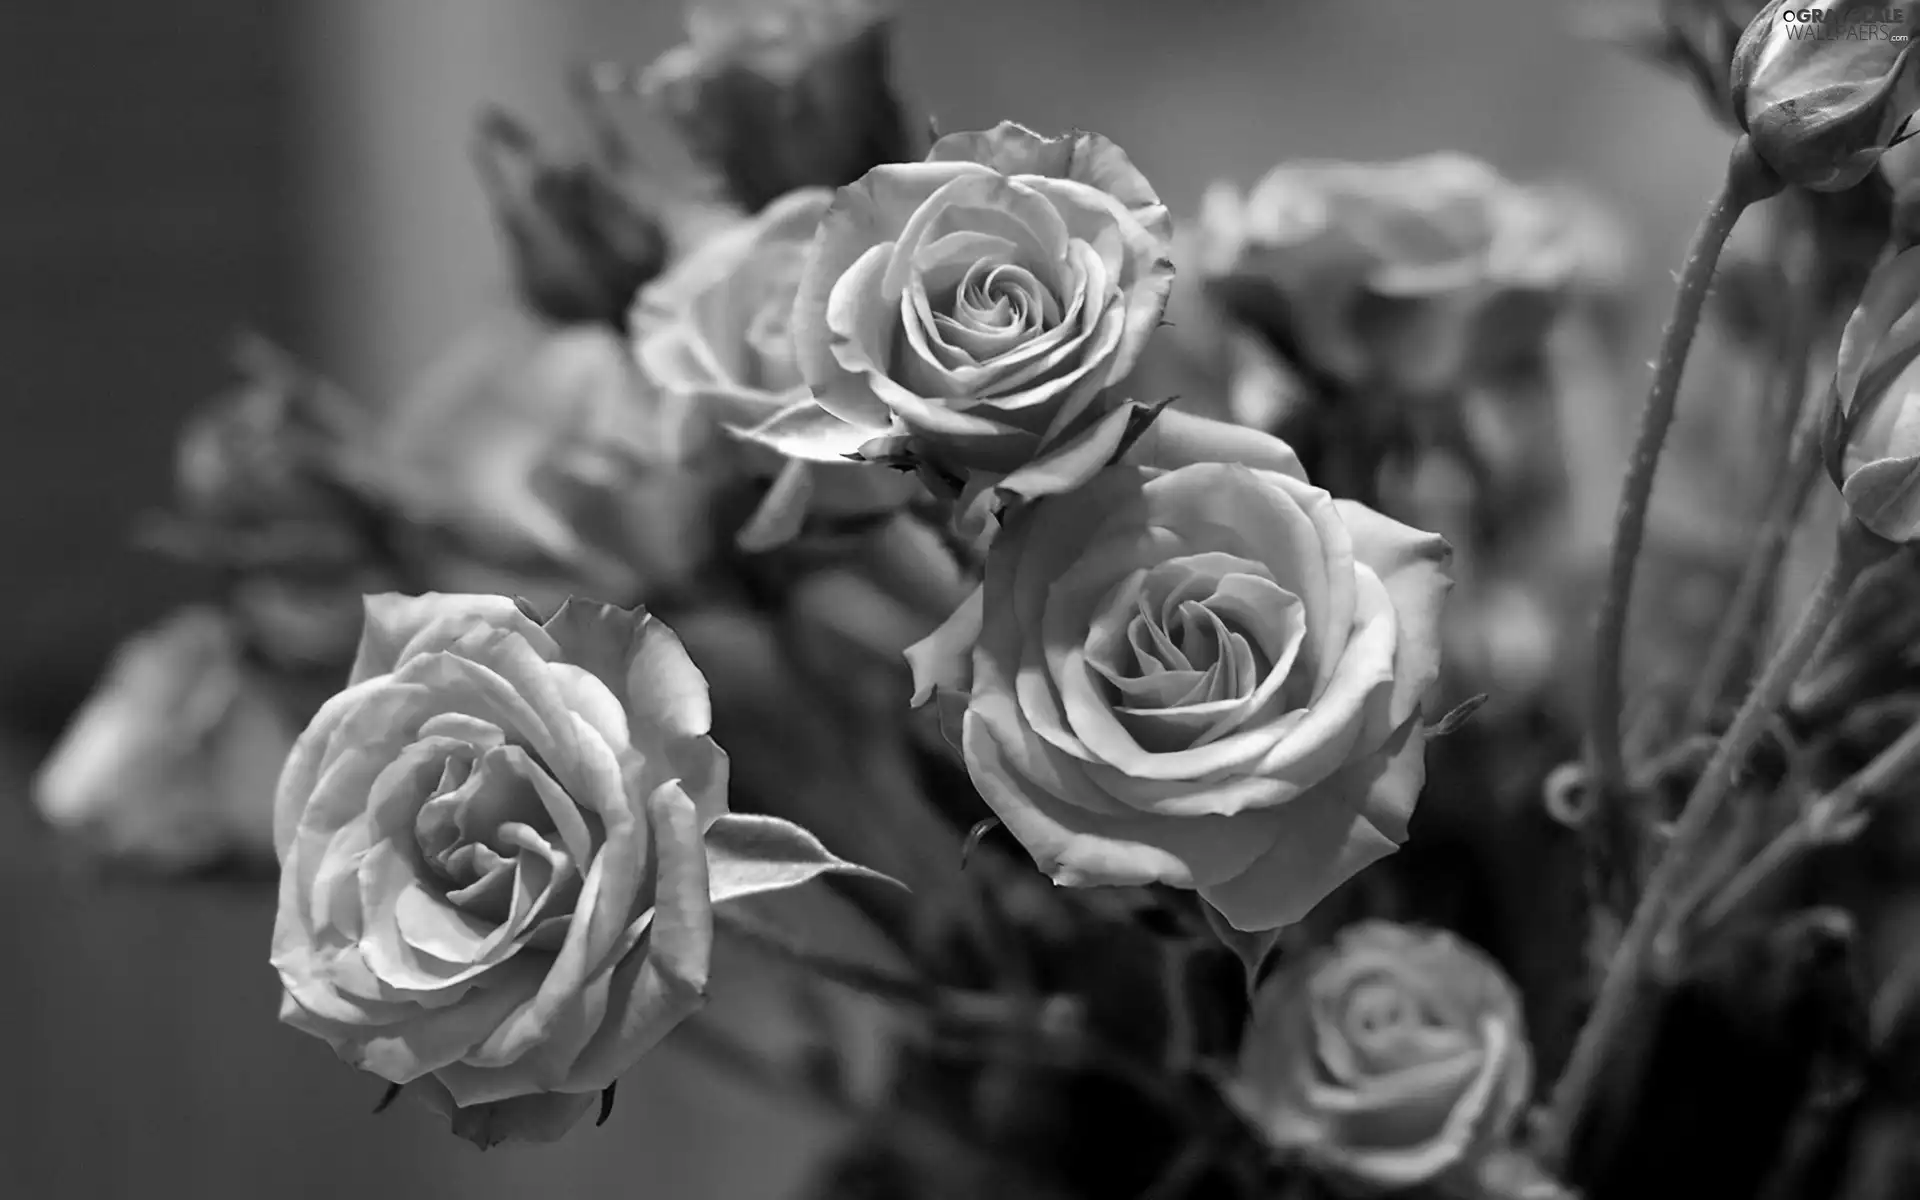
883,511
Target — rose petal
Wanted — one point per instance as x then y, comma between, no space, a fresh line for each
401,627
1178,438
865,214
1040,797
1413,566
662,980
944,658
1334,831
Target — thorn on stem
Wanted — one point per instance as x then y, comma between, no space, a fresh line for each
606,1104
387,1098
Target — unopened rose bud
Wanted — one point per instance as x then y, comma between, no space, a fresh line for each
1824,92
785,94
580,245
1873,439
270,474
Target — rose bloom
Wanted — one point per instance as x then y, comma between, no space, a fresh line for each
493,878
170,762
1389,1058
977,303
1200,670
714,334
538,461
1873,451
1416,276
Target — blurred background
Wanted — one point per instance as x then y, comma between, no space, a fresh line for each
173,174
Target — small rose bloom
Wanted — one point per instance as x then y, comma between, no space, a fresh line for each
1415,275
1389,1058
1873,446
1200,670
714,334
977,304
537,459
1821,110
171,762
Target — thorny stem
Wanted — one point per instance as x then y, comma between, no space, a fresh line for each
1747,609
1612,1007
1829,817
1748,181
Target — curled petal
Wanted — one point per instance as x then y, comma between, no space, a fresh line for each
399,627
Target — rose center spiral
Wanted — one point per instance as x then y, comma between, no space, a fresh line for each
486,832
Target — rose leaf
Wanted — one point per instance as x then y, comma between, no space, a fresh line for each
749,854
1457,716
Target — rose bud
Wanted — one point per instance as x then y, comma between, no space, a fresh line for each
1389,1059
272,473
171,762
580,246
784,95
1873,438
1822,100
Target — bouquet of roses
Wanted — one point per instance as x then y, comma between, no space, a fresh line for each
923,562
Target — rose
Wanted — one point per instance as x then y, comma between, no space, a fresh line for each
976,304
1415,276
713,335
1198,669
537,460
1389,1058
1873,444
171,760
1820,106
500,850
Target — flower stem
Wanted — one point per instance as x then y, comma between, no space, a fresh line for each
1748,607
1825,820
1748,180
1628,969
